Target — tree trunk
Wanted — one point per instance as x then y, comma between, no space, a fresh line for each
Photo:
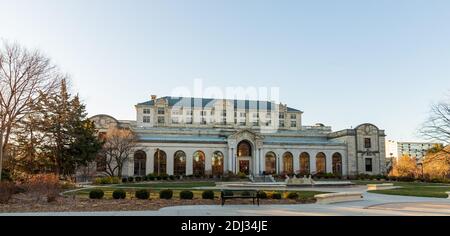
1,154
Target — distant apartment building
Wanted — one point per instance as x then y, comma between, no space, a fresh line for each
416,150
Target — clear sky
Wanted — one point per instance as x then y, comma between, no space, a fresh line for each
342,62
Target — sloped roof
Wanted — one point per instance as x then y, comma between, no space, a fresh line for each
209,102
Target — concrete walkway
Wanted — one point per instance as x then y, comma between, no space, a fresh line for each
372,205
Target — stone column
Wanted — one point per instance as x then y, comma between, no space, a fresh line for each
150,160
329,162
170,162
296,158
189,163
312,163
208,161
230,160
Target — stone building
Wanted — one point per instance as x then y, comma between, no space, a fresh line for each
194,136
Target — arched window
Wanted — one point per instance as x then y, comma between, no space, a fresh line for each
217,163
321,166
244,149
160,162
179,163
288,163
304,164
337,164
271,163
198,163
140,159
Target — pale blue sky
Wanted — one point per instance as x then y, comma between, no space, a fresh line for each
341,62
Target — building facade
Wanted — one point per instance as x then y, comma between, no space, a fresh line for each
416,150
194,136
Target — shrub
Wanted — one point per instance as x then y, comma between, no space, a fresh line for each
292,195
43,185
172,177
242,175
6,175
276,195
124,180
166,194
138,179
107,180
119,194
262,195
6,192
151,177
186,194
130,179
245,193
142,194
145,178
208,194
96,194
164,176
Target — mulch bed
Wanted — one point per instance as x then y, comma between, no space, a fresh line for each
26,203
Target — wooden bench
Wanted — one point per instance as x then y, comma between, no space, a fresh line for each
448,193
338,197
241,193
380,186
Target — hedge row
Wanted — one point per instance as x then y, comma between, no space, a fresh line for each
144,194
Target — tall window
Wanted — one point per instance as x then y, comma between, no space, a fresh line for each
159,162
199,163
146,119
293,124
146,111
217,163
288,163
304,163
161,120
271,163
139,163
244,149
367,143
321,163
337,164
161,111
179,163
368,164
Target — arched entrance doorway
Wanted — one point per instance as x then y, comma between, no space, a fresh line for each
159,162
244,156
337,164
140,159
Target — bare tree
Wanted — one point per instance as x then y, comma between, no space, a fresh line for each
437,127
117,149
24,76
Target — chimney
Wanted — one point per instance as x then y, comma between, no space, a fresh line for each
153,97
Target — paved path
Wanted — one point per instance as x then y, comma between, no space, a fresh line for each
372,205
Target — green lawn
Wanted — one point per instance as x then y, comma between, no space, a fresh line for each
416,189
426,191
